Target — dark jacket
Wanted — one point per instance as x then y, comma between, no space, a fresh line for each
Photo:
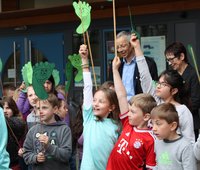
152,68
190,76
18,127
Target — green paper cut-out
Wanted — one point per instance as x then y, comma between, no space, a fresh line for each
27,73
75,60
137,34
192,54
41,72
68,73
56,76
133,30
82,10
1,65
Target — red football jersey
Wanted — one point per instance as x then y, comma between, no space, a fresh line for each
133,150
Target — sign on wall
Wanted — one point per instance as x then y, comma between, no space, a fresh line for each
154,47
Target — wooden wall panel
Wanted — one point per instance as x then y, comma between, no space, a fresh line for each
67,14
10,5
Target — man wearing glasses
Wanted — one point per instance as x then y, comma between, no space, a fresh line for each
176,56
128,69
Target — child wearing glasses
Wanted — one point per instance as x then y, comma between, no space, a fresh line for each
170,89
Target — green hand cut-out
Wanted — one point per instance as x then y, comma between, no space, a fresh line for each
41,73
76,62
68,73
82,10
27,73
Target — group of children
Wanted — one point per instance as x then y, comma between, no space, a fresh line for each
152,130
157,126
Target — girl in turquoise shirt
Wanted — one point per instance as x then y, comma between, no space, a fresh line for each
4,156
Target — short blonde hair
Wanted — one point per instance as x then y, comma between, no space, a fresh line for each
144,101
52,99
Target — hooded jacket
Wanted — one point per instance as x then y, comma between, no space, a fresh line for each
58,151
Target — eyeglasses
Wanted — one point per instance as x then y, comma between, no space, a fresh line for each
171,59
162,84
122,46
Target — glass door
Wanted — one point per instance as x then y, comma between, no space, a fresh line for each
17,50
11,49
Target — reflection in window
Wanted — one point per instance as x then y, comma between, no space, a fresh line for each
77,40
8,73
152,30
94,37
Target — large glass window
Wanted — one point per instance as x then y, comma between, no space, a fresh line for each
152,30
95,40
153,43
9,75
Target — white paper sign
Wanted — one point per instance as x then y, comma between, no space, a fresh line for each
11,73
154,47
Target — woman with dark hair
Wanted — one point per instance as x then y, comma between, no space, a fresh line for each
176,56
49,85
16,130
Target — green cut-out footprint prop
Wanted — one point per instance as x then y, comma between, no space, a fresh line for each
82,10
41,73
76,62
27,73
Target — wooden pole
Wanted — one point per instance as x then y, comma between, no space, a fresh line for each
114,27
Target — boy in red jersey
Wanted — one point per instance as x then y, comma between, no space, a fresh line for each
135,146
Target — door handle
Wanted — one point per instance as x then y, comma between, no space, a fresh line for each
15,64
30,50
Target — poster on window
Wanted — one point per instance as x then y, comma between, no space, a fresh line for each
110,50
110,53
154,47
